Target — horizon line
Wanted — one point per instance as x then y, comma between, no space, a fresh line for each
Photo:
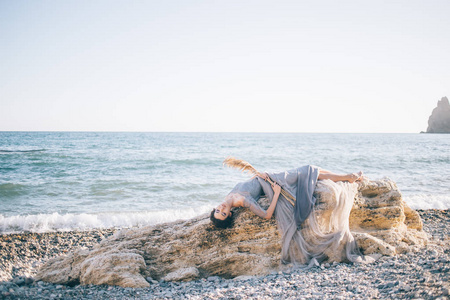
275,132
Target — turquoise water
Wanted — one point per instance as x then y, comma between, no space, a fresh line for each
82,180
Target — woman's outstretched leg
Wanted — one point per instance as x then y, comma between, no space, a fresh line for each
351,177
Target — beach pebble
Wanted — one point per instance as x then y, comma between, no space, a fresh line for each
150,280
213,278
243,277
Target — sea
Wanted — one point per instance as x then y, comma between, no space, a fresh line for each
61,181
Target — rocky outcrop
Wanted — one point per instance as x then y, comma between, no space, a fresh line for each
382,223
380,220
439,121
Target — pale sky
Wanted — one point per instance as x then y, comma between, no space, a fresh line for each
271,66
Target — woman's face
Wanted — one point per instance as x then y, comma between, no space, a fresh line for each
222,211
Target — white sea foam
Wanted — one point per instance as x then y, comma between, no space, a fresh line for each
67,222
427,201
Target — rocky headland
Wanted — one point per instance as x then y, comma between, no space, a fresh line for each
192,260
439,121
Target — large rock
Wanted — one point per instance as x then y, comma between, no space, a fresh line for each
439,121
380,220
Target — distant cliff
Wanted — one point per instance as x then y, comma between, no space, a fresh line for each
439,121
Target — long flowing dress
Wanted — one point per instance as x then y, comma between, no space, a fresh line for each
303,240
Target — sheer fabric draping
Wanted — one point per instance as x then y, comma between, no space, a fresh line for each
319,238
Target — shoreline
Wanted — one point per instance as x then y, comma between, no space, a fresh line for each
423,274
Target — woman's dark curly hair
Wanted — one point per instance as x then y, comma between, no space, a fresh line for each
228,222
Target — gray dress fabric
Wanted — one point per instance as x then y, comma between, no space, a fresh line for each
303,239
299,182
252,191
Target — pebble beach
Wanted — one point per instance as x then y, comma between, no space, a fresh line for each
418,275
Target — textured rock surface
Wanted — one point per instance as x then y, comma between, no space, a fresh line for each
185,274
439,121
186,250
381,222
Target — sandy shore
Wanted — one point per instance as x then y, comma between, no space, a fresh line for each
423,275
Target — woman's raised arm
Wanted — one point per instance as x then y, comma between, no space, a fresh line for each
276,194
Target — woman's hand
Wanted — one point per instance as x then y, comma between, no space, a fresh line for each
276,188
263,176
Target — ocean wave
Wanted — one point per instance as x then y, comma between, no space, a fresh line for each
427,201
6,151
87,221
9,189
10,185
193,162
67,222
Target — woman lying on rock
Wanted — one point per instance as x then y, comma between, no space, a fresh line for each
303,239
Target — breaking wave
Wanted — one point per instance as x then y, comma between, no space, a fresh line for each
80,222
427,201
